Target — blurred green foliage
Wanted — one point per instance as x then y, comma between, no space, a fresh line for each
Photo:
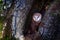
0,0
1,6
1,25
1,19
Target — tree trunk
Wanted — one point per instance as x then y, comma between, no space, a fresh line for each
49,26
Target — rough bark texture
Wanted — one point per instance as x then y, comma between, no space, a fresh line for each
50,22
21,8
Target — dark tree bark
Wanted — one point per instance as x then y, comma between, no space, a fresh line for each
50,22
21,7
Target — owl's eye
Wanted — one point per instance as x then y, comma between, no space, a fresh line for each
37,17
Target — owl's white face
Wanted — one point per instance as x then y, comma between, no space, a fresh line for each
37,17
